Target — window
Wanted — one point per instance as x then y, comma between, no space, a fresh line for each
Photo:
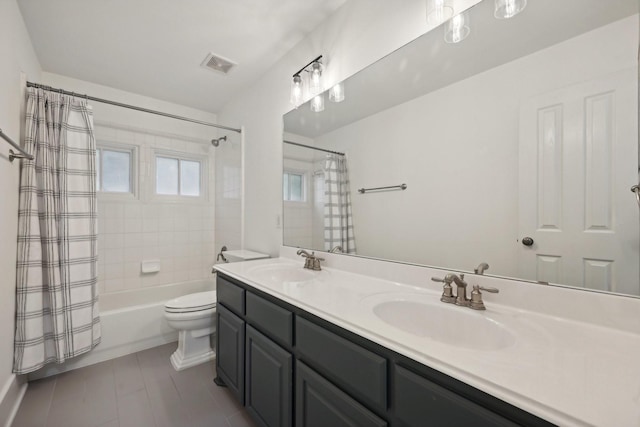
178,176
114,170
294,187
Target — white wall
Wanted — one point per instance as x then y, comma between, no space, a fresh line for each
457,149
358,34
228,204
178,233
17,56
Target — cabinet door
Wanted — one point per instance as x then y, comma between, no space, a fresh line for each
269,371
419,402
320,404
230,351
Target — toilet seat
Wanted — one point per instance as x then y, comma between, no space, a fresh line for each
199,301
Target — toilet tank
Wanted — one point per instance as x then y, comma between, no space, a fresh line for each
243,255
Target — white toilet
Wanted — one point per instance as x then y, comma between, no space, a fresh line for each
194,316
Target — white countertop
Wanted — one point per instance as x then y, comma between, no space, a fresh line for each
568,372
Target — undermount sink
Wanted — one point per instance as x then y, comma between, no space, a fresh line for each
446,323
283,273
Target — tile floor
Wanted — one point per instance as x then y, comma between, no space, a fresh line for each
137,390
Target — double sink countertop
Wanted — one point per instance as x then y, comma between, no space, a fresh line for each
568,372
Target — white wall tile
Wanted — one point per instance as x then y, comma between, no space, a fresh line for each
180,235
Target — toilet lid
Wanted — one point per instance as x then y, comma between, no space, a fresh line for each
192,302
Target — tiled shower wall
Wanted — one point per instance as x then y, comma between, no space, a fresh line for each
178,233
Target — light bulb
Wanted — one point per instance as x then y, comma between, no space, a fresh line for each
457,28
506,9
336,93
317,103
315,78
438,11
296,91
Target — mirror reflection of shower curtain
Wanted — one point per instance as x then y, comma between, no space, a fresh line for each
338,221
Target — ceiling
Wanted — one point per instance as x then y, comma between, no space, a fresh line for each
155,47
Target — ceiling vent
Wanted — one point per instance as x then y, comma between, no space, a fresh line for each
217,63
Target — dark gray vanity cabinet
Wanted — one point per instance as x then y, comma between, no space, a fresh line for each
319,403
291,368
230,351
269,372
418,401
251,360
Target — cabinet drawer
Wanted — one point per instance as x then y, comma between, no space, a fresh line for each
319,404
232,296
272,320
358,371
419,402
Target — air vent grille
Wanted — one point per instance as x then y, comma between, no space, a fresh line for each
217,63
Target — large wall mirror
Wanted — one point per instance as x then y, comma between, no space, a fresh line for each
518,147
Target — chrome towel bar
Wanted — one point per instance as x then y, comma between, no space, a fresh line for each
391,187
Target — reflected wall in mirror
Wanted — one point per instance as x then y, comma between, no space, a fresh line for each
527,128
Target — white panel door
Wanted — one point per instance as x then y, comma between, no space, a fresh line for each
578,161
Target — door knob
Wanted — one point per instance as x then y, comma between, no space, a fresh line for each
527,241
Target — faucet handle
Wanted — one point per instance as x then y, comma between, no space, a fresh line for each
447,290
476,302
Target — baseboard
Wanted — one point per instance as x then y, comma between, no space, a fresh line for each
10,398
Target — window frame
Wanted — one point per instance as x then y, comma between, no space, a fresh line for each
180,156
133,151
306,194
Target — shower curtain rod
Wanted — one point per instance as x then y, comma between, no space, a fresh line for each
131,107
313,148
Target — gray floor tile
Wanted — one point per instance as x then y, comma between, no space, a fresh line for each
166,405
134,410
35,404
225,400
71,412
241,419
138,390
204,411
127,375
69,386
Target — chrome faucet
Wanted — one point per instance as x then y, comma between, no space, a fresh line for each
312,262
336,250
475,302
481,268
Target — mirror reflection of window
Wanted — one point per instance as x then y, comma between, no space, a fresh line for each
293,187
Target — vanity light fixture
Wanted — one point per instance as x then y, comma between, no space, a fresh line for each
314,68
457,28
317,103
336,93
315,78
296,90
506,9
439,11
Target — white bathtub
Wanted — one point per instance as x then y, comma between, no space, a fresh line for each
131,321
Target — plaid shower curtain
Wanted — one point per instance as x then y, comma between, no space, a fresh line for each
56,290
338,222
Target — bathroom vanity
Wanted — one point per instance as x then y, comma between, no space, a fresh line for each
306,348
